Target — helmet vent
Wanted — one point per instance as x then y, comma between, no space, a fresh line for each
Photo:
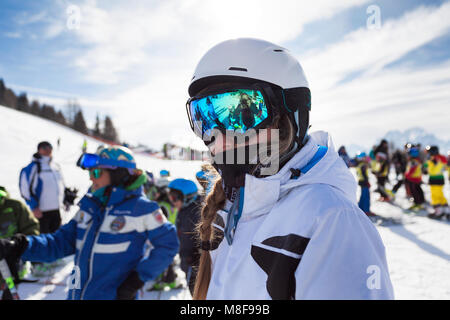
237,69
278,50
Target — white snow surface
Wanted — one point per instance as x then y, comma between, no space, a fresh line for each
418,251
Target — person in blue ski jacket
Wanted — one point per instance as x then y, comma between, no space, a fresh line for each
108,234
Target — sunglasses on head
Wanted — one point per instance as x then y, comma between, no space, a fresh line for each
95,173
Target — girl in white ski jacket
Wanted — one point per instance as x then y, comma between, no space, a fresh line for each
297,232
303,238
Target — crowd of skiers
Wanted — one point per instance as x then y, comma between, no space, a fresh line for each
289,233
126,221
410,166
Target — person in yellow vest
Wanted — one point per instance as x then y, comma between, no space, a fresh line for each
362,171
414,178
381,171
435,166
448,164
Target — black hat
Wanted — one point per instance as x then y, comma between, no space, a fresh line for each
44,144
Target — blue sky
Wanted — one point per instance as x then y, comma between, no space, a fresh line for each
133,59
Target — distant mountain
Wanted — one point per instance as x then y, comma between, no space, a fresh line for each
416,135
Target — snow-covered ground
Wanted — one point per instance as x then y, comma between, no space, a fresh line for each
418,251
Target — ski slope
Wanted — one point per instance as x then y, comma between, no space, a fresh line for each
418,251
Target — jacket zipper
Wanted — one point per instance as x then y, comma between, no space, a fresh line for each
91,262
81,249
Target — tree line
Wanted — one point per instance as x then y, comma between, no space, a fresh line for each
72,117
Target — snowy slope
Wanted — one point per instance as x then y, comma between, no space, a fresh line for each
19,135
418,251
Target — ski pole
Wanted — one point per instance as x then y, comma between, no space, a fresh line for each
9,280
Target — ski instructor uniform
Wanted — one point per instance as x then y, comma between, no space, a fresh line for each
108,234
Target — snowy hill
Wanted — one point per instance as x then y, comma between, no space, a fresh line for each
418,251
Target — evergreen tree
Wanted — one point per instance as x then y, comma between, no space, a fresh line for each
109,131
79,124
2,92
22,103
97,132
60,118
10,99
48,112
35,108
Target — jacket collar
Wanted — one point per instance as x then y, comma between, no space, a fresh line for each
118,195
261,194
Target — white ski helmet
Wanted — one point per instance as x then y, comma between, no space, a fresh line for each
254,60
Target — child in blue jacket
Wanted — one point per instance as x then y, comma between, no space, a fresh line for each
108,234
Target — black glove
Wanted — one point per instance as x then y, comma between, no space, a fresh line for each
69,197
129,288
14,247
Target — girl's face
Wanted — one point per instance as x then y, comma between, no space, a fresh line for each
225,142
102,181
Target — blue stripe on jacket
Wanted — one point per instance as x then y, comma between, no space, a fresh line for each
116,253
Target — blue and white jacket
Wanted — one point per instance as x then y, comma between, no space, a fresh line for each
108,243
40,184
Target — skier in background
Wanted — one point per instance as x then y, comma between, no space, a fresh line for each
183,194
413,177
399,160
435,167
15,217
158,192
40,185
108,234
84,146
382,147
381,171
343,154
362,171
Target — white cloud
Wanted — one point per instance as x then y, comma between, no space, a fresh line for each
380,100
164,40
137,33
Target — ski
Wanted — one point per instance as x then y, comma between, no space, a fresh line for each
385,222
5,272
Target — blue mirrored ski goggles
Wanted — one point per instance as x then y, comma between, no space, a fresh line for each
91,160
236,110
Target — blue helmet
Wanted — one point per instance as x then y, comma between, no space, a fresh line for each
414,152
361,155
108,157
164,173
201,175
186,187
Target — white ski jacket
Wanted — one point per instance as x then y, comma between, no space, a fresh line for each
302,238
41,184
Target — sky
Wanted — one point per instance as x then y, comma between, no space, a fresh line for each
372,66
